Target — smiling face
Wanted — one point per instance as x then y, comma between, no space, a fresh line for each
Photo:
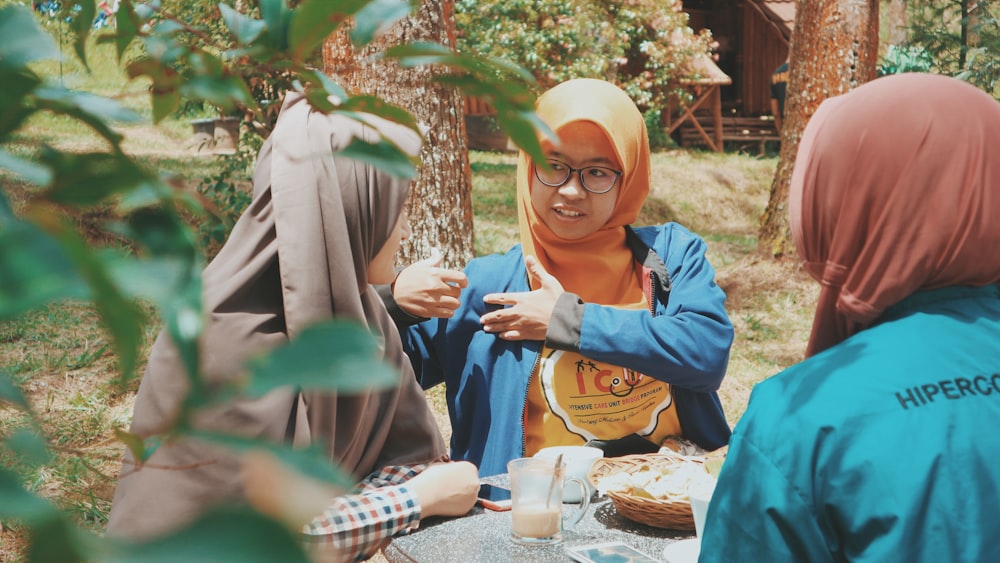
570,211
382,269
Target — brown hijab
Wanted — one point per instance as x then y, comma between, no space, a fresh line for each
896,189
299,255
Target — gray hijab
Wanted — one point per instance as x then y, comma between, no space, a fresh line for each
299,255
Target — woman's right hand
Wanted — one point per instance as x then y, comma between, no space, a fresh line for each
424,289
446,489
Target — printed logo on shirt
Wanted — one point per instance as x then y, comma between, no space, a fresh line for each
599,400
949,389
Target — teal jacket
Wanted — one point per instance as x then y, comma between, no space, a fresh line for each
882,448
685,342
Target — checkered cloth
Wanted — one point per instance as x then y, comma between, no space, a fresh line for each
357,525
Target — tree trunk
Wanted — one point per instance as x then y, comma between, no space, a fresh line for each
971,27
834,50
896,21
440,203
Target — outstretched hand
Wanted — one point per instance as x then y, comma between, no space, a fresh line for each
424,289
526,315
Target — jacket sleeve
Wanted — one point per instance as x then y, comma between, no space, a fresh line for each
420,343
686,344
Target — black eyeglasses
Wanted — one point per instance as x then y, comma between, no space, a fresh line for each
594,179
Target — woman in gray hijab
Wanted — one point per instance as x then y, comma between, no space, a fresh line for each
320,229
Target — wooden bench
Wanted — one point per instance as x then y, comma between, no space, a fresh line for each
739,130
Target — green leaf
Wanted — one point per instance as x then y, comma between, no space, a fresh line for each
222,91
314,21
19,503
163,47
382,155
144,11
278,18
6,211
164,91
323,82
165,103
29,171
59,540
80,24
377,106
524,127
420,53
311,462
172,278
148,193
185,323
95,111
319,101
11,393
227,534
157,280
167,27
31,447
162,232
134,443
335,356
126,29
376,17
88,178
34,270
14,98
75,101
23,40
243,28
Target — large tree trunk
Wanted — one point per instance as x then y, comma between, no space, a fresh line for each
440,203
834,49
896,20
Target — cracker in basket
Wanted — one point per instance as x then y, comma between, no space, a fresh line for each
661,483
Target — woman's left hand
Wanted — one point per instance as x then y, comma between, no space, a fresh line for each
526,314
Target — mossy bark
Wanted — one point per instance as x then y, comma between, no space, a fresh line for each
834,50
440,203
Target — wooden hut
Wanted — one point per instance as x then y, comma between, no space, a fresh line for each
735,89
753,37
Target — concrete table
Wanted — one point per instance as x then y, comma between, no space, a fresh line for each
484,535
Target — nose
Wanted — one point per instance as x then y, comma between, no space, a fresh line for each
573,186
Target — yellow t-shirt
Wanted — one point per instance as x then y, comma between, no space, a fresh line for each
572,399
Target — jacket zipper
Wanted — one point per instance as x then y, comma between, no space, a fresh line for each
524,403
650,298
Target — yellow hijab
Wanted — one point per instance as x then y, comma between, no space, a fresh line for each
599,267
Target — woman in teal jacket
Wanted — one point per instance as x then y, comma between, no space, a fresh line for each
880,446
599,331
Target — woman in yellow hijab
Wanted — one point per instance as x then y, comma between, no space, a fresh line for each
590,330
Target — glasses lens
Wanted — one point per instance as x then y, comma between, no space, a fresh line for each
599,179
556,175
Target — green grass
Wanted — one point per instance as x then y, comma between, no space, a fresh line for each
493,197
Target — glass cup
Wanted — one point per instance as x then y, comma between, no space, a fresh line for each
536,488
579,460
700,497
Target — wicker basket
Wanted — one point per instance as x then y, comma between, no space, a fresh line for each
672,514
